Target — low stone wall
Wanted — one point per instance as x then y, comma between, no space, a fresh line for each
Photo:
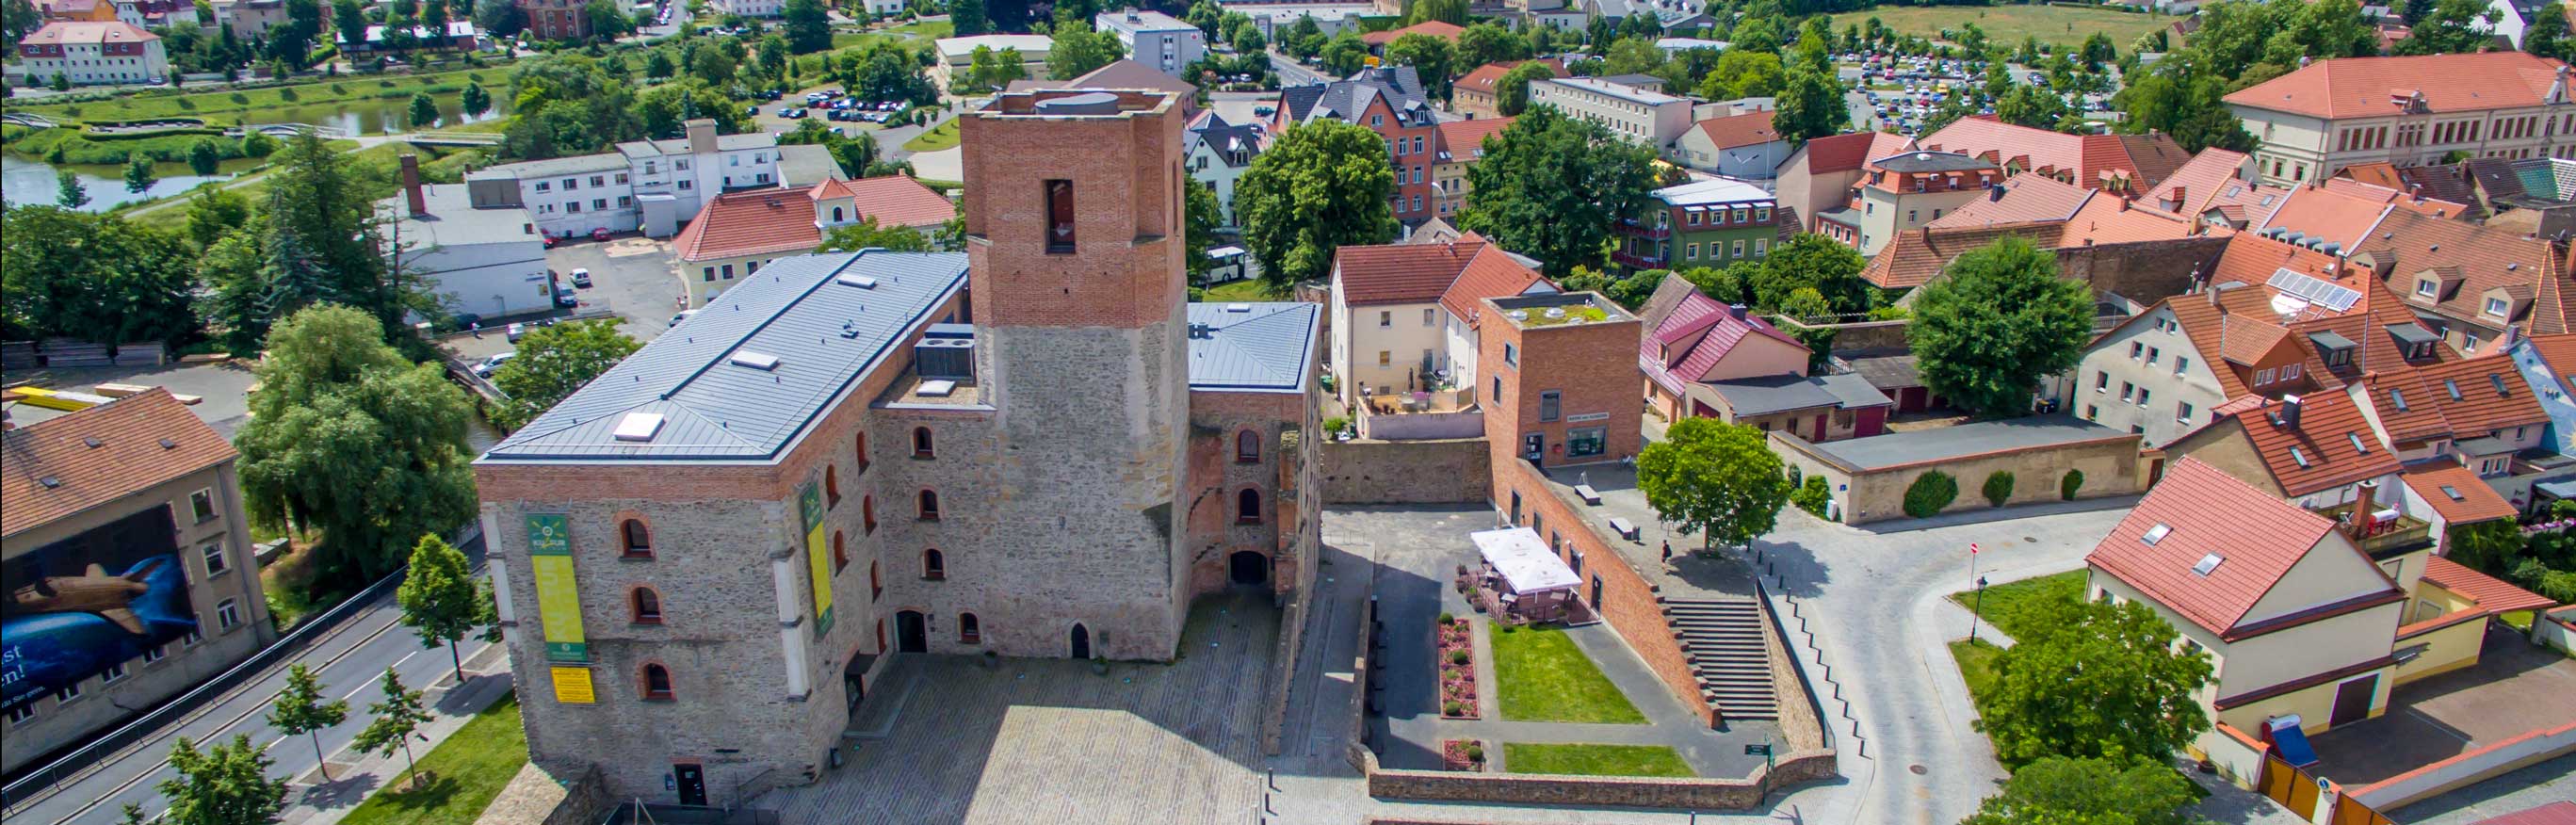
1615,791
534,798
1283,673
1796,698
1854,334
1445,471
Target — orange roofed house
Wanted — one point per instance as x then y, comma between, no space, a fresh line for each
1405,322
2407,111
2121,164
737,233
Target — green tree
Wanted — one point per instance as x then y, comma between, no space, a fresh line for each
1489,43
475,101
1446,11
215,212
424,110
1997,320
2096,680
348,437
1345,54
227,784
2453,26
1810,106
1321,186
2547,36
62,82
554,361
349,18
1305,39
658,65
19,18
808,26
393,720
203,158
1717,479
438,597
1201,216
608,20
92,276
1078,50
1810,261
1431,57
1803,303
2491,546
291,43
1511,93
968,17
866,233
303,709
1740,73
138,173
68,190
498,18
1553,187
2032,106
2060,791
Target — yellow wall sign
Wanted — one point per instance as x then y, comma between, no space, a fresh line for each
573,687
818,556
558,594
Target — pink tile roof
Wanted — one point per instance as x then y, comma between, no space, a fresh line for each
1846,152
2027,197
1690,315
2205,511
2373,86
88,32
2111,219
1436,28
2085,160
893,200
1747,129
1454,275
2493,595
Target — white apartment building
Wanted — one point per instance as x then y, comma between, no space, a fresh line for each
750,8
490,262
649,185
1155,39
94,52
2407,111
1219,154
1639,115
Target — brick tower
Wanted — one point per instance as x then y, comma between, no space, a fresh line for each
1078,298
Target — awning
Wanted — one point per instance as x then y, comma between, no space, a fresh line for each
1525,562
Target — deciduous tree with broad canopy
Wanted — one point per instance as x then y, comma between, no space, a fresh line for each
1550,187
1717,479
2096,681
1321,186
2059,791
1995,321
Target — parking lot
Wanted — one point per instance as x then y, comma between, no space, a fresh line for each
636,278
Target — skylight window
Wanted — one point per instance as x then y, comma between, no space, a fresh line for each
1238,307
2453,492
2453,387
2156,534
2498,380
2397,399
2300,457
639,426
2357,444
939,388
2207,563
860,281
761,361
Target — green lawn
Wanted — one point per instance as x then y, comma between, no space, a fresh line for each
936,139
465,773
1595,760
2007,25
1248,289
1545,678
223,107
1976,664
2009,606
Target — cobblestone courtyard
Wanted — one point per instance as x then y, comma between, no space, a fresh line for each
1045,740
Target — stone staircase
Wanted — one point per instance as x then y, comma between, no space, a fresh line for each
1725,642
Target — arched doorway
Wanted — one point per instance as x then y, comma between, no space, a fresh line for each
1249,567
1081,642
910,636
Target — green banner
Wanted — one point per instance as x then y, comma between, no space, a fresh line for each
818,556
558,594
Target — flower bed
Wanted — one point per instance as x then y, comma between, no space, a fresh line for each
1457,668
1462,755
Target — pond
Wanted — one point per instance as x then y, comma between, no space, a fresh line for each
371,116
25,182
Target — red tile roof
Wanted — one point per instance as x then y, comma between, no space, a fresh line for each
756,222
1915,256
1463,140
1487,76
2456,493
2320,453
1489,274
2338,215
2111,219
130,457
1435,28
2027,197
2355,87
2482,259
1747,129
2559,351
1454,274
893,200
2493,595
1848,151
2207,512
2084,160
2479,407
2561,812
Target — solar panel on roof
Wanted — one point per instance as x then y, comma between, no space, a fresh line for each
2314,290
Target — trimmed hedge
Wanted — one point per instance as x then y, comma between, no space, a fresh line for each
2067,486
1999,488
1812,496
1931,493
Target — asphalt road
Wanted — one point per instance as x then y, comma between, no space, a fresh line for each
350,661
1293,73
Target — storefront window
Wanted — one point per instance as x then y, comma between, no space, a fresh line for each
1584,441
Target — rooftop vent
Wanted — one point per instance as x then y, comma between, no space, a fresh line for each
940,388
763,362
639,426
168,444
1087,103
91,442
2156,534
860,281
944,358
2207,563
1238,307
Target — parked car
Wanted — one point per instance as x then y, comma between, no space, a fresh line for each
684,315
515,332
493,364
599,234
565,299
581,278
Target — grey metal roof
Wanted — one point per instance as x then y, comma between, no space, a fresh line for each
605,162
826,335
1345,99
1941,443
1255,347
1885,369
453,221
806,164
680,145
1924,160
1781,393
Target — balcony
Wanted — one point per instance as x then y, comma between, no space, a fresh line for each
1634,229
2403,534
1625,258
1406,416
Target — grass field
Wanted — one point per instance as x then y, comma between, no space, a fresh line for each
936,139
221,106
1976,664
1246,290
465,772
2007,25
1595,760
1545,678
2010,606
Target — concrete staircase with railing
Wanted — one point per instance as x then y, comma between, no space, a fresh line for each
1725,642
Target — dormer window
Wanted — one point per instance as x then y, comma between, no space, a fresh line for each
2498,307
2428,287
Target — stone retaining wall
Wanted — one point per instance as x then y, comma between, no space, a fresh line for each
534,798
1619,791
1444,471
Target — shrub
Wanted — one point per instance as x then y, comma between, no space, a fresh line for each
1930,494
1812,496
1795,475
1458,657
1475,752
1452,708
2067,486
1446,618
1337,424
1999,487
240,98
287,94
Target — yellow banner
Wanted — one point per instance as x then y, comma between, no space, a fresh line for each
573,687
558,594
818,557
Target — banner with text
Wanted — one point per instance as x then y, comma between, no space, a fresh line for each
818,556
558,593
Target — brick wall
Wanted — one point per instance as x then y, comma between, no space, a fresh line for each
1695,793
1593,366
2145,272
1126,175
1628,602
1407,472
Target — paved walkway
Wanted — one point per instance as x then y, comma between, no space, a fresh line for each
356,776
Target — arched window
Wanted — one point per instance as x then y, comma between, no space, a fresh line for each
831,488
876,586
868,513
863,454
639,539
840,553
836,214
933,565
657,683
1247,506
929,505
969,630
1247,447
921,446
647,605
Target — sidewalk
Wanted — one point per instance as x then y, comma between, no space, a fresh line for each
356,776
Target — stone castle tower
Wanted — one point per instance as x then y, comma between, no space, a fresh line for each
1078,298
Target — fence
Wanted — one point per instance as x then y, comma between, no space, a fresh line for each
105,750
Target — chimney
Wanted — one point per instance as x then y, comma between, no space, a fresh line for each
1736,310
2365,499
2512,336
411,185
2288,417
2124,203
1994,193
702,136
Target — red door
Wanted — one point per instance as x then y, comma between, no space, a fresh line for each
1820,426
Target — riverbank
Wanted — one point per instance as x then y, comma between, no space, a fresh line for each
276,104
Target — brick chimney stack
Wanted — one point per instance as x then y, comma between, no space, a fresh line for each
411,186
2365,501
